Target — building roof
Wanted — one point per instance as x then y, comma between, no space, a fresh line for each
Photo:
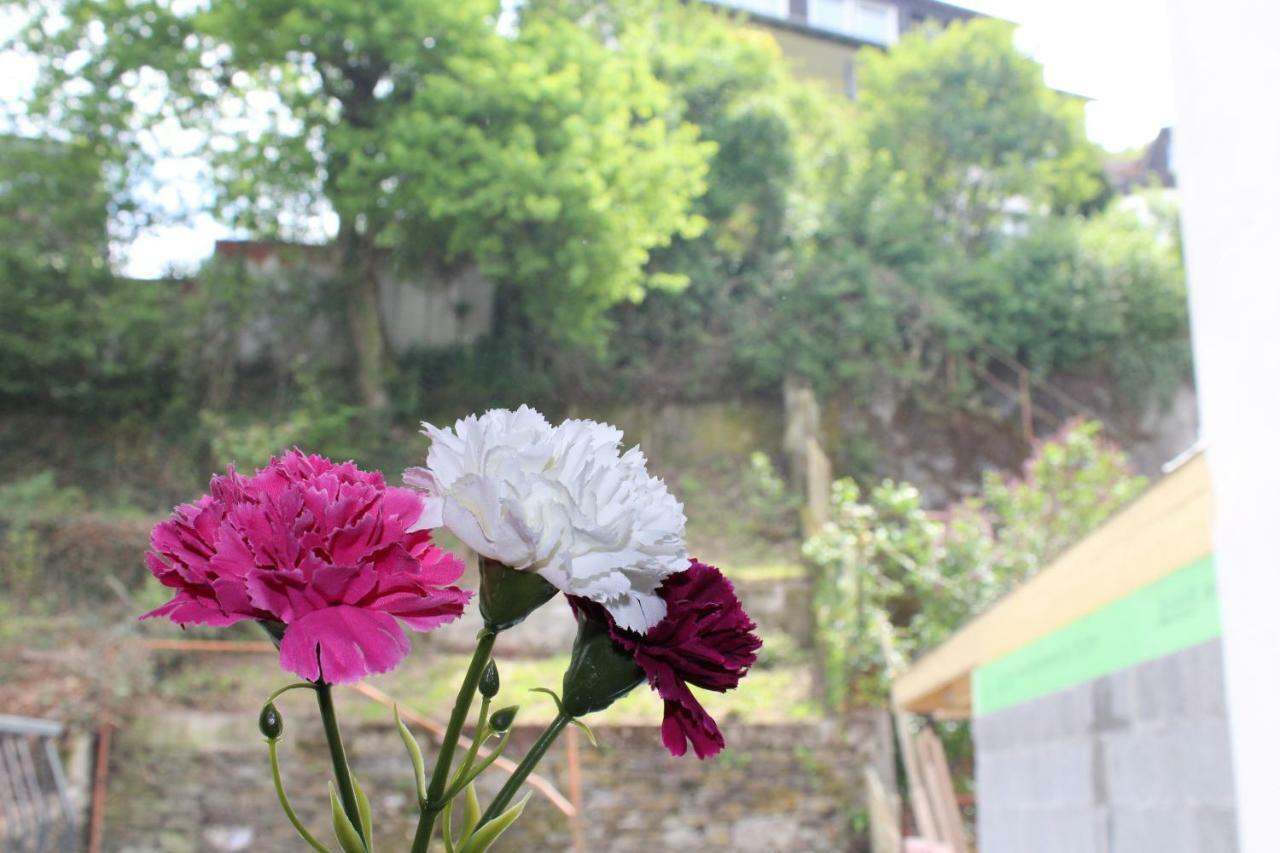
1165,530
916,9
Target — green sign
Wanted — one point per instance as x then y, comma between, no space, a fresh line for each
1173,613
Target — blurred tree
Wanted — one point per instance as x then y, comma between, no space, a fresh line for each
969,215
1104,293
53,262
968,120
779,147
425,129
72,336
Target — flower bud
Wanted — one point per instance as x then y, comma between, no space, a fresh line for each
489,681
270,723
501,719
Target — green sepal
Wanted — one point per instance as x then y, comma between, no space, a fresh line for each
348,838
366,813
586,730
484,837
508,595
471,810
415,755
275,630
555,697
600,671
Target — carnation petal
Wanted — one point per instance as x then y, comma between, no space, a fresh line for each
342,643
425,612
637,611
564,502
188,609
682,725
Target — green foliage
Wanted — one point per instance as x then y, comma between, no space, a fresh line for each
768,503
72,335
49,545
552,160
38,498
883,556
1070,485
1105,292
967,119
774,139
965,218
316,424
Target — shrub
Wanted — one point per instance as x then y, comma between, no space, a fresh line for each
883,556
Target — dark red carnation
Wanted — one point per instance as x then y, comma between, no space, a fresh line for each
705,640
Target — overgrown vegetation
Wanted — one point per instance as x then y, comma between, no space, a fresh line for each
588,156
883,556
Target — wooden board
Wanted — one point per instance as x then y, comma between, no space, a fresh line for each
942,794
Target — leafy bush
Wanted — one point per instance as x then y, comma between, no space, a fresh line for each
51,546
769,505
883,556
317,425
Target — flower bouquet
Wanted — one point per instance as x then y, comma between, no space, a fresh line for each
334,564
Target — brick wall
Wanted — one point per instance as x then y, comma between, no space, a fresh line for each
1138,761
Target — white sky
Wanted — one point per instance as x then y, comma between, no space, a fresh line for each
1113,51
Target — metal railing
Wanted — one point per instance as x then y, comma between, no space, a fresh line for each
36,812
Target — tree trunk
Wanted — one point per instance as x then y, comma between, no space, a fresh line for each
364,318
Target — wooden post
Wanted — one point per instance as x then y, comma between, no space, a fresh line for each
926,825
1024,403
942,792
573,760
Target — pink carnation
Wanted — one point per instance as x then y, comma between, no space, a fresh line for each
324,549
704,640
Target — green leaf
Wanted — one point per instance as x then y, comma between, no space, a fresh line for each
347,836
415,755
366,813
485,836
471,814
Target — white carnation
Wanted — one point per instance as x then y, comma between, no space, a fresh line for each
561,501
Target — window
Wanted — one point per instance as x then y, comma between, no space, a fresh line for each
874,21
768,8
829,15
866,19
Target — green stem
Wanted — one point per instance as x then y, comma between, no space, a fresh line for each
444,761
297,685
480,734
284,801
462,781
531,759
341,770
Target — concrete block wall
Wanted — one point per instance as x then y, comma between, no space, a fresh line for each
1137,761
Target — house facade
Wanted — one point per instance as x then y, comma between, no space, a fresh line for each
820,37
1096,690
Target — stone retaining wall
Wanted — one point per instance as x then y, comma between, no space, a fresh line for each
194,781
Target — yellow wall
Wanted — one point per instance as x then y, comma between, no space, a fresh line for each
815,58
